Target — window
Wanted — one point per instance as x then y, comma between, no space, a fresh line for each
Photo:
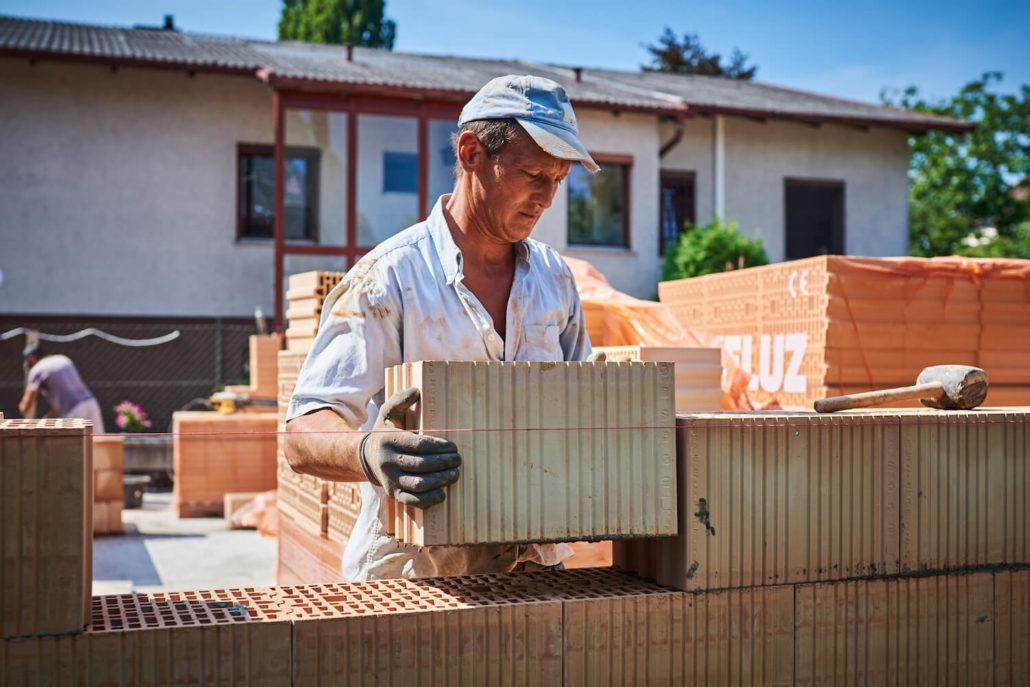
814,223
677,206
400,172
599,203
256,212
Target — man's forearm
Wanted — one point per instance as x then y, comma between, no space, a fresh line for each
323,445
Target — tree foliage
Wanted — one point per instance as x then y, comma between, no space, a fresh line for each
358,22
968,192
708,249
688,56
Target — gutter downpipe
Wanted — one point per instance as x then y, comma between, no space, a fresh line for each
719,165
681,117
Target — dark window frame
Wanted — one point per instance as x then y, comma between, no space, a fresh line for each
819,182
626,162
312,155
674,174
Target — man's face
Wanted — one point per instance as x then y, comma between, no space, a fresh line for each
516,187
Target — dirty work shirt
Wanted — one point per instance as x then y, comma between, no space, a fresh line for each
57,379
405,302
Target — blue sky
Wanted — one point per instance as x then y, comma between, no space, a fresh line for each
851,50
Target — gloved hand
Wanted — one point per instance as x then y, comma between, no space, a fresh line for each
412,468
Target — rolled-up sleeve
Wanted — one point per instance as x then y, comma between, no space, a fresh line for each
358,337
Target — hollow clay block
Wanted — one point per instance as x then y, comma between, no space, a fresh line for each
46,526
550,451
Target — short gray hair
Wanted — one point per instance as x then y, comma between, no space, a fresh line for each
493,135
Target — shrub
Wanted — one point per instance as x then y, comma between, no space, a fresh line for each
708,249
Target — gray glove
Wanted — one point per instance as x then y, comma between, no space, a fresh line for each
412,468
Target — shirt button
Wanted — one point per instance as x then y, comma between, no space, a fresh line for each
491,338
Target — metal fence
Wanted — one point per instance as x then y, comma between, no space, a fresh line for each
208,353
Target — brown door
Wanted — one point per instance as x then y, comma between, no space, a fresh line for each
677,206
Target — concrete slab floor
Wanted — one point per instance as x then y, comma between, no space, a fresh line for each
160,552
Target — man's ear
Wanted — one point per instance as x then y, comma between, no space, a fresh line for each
471,154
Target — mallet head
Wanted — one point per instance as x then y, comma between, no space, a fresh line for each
965,387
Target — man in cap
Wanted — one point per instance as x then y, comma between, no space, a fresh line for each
466,284
56,377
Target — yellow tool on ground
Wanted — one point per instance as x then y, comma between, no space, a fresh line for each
229,402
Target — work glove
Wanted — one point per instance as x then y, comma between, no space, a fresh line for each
412,468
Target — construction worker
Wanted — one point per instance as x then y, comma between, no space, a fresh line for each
466,284
59,381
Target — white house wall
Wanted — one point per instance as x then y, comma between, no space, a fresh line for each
118,191
872,164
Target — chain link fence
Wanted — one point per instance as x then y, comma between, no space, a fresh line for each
209,353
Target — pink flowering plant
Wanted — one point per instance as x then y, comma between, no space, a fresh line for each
130,417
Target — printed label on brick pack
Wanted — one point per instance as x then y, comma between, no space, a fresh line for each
779,360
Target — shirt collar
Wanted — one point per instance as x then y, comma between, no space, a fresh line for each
447,249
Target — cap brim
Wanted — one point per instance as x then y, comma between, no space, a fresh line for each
560,143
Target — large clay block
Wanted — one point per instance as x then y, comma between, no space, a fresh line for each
46,526
776,497
698,371
107,517
414,633
264,349
930,630
550,451
965,486
1011,627
235,636
672,638
215,453
108,452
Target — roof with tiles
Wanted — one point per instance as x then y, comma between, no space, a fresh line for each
289,63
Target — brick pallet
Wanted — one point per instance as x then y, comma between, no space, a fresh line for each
46,485
833,325
533,423
216,453
108,491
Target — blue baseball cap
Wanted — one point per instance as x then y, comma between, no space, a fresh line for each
540,106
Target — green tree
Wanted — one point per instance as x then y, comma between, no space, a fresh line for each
687,56
358,22
711,248
967,192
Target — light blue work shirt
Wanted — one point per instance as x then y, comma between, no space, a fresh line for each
404,302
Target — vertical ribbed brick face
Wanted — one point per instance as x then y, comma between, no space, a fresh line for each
215,453
46,529
698,371
1012,627
774,498
965,483
934,630
225,636
551,451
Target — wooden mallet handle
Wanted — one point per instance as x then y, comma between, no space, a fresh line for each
873,398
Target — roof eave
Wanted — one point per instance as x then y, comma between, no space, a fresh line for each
917,127
116,61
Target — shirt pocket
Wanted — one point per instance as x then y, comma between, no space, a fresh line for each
542,342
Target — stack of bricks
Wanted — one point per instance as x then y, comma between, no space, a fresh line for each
215,454
264,350
834,325
108,492
698,371
46,528
305,294
310,546
550,451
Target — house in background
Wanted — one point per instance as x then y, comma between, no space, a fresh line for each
138,185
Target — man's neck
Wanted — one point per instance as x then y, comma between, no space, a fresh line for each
476,246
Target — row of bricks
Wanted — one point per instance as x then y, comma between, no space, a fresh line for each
598,627
263,349
774,498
